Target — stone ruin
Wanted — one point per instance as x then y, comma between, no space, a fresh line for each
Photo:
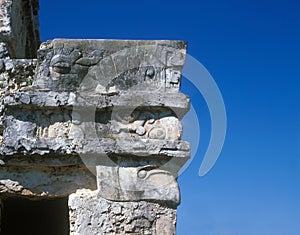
90,131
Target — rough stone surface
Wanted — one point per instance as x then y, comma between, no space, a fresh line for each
15,74
4,54
1,209
118,217
96,120
19,27
45,181
109,67
145,182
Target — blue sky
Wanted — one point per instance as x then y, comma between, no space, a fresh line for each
252,50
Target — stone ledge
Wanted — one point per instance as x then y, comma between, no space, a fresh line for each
40,100
105,146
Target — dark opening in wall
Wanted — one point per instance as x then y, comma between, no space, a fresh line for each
35,217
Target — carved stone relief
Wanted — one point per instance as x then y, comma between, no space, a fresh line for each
147,124
148,182
111,107
76,66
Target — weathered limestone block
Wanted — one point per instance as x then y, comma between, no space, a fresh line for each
108,67
129,182
45,181
19,27
116,218
147,124
15,75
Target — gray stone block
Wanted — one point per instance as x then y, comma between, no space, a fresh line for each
107,67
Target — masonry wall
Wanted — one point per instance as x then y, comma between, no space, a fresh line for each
118,217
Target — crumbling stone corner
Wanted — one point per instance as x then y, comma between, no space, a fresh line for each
97,121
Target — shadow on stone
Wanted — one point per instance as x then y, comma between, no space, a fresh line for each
35,217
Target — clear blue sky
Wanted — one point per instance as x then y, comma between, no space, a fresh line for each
252,49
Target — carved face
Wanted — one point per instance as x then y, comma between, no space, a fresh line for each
137,183
105,67
160,124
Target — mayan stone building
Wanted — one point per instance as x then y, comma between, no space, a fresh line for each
90,139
